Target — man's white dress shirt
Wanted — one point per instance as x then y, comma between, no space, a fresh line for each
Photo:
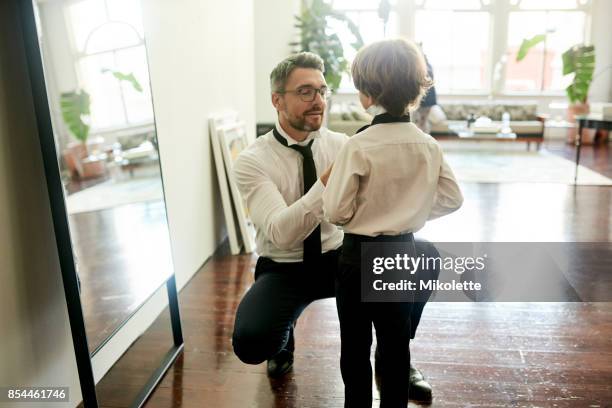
270,179
390,179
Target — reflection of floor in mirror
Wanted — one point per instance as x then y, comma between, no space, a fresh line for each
473,354
74,185
114,193
123,256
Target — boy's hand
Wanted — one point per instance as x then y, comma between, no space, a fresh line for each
325,175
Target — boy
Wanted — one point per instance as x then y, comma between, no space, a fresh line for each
387,181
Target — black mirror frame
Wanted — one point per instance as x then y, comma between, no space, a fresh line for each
62,232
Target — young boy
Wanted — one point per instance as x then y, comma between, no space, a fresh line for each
387,181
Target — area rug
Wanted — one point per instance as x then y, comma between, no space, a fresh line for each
115,193
511,165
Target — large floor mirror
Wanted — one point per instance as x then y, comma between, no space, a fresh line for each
90,80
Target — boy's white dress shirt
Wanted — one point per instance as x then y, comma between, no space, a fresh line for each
390,179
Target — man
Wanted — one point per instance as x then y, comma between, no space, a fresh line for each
429,100
277,176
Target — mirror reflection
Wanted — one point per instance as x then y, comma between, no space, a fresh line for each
98,88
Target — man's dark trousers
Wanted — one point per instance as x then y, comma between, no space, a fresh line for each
266,314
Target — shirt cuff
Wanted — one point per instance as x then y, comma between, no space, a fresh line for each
313,199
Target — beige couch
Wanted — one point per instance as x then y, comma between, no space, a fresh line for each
524,120
347,117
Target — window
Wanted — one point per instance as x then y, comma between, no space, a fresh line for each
108,35
541,70
472,44
364,13
454,37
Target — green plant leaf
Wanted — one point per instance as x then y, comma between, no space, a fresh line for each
314,37
580,61
528,44
130,78
75,107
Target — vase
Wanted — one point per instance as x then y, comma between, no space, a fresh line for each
73,155
578,109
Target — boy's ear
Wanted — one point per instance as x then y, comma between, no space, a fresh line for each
366,100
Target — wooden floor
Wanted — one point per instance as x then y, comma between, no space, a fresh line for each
123,256
598,158
474,354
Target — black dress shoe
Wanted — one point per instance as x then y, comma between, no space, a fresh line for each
419,390
280,364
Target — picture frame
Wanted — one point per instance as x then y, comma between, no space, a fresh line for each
233,141
216,122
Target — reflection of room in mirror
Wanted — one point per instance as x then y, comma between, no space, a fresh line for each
97,81
98,85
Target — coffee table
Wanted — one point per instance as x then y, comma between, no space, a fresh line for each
463,133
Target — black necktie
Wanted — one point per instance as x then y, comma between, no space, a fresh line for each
386,118
312,243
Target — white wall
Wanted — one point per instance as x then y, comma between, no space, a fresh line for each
201,59
201,62
601,88
274,31
36,346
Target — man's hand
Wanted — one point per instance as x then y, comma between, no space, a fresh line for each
325,175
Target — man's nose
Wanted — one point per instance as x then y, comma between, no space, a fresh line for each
319,100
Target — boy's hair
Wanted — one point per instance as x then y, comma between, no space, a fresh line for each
393,73
279,75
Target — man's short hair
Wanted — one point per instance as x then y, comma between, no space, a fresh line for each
393,73
279,75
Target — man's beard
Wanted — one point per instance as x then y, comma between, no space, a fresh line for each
301,125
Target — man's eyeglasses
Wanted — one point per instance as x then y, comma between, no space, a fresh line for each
308,94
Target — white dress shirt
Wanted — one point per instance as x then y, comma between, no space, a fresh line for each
270,179
390,179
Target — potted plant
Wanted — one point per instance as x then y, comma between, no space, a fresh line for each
75,108
578,60
316,37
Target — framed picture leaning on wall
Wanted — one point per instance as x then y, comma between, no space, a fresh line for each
233,140
216,122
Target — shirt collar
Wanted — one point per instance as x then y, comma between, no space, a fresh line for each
290,141
376,110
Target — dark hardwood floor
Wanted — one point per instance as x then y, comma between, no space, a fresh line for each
595,157
474,354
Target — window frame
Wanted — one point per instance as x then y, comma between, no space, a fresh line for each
585,8
498,40
78,55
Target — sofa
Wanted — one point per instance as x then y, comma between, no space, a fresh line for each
347,117
524,119
444,119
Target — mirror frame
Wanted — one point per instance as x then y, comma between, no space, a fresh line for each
62,231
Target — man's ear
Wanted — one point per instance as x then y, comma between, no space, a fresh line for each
277,101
